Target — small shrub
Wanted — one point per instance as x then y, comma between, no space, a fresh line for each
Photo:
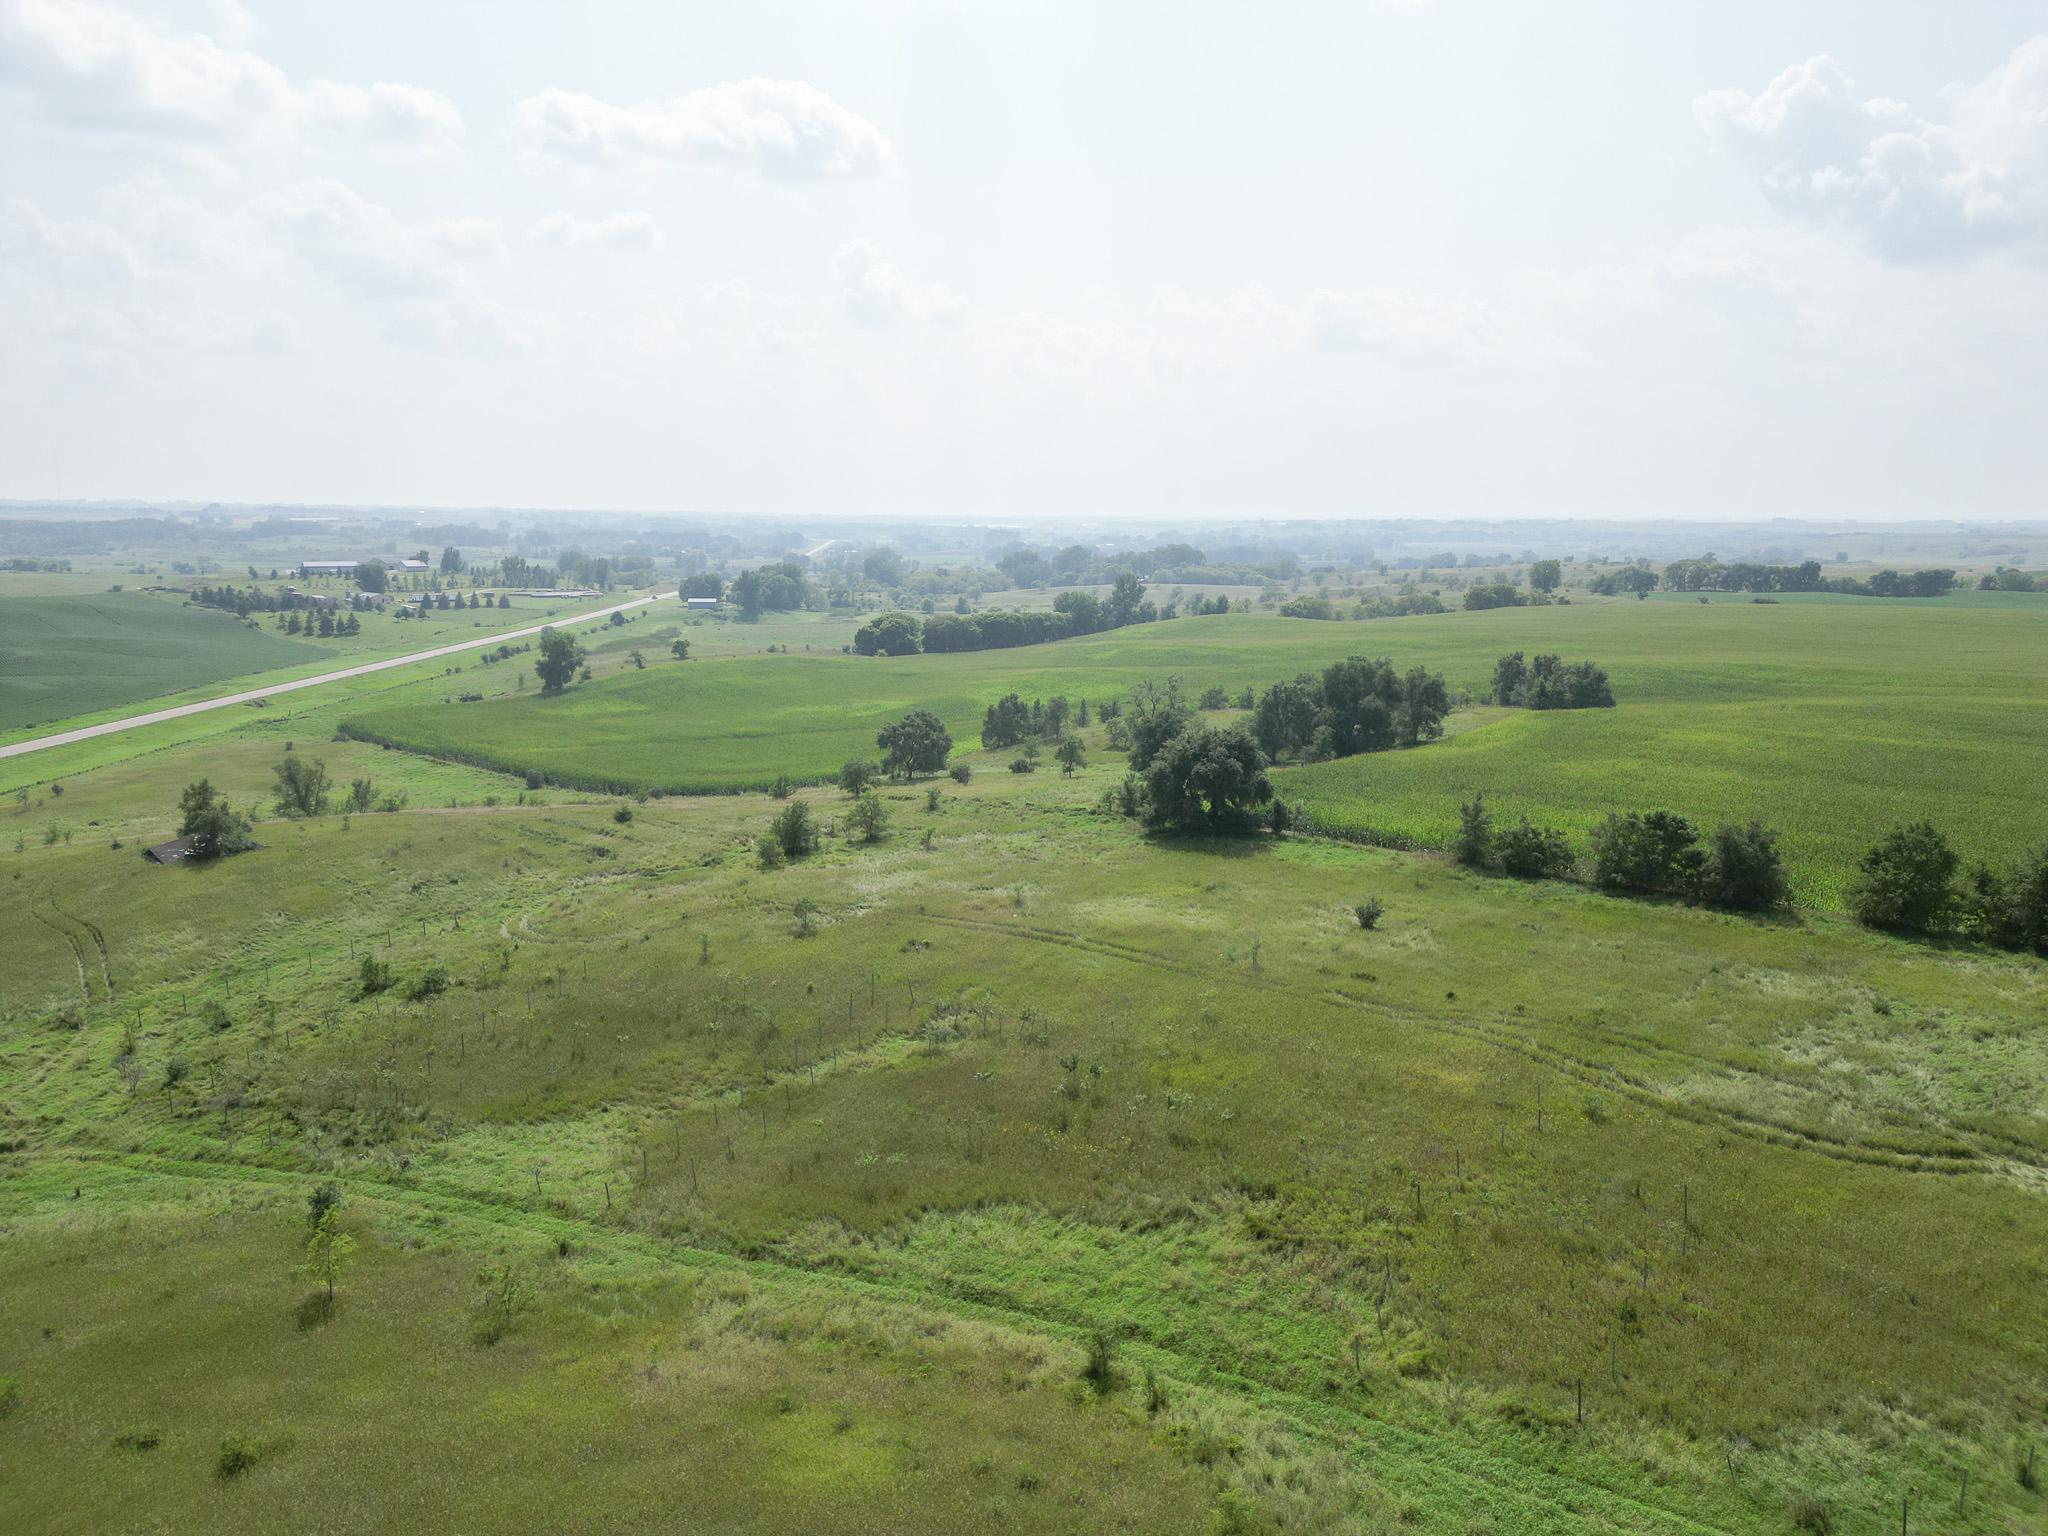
1368,913
771,854
795,829
373,977
805,918
961,772
1215,698
782,787
623,814
215,1017
1099,1371
431,982
500,1299
1534,853
931,798
1023,765
1808,1513
535,779
1473,845
237,1455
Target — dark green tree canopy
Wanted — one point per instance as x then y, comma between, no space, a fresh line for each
1007,722
1907,881
214,828
703,584
890,634
1208,780
918,743
560,656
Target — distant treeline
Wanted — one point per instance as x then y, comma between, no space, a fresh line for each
1313,605
1707,574
46,567
243,601
1072,613
2007,579
1078,565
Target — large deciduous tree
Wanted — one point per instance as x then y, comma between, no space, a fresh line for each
918,743
1208,780
213,827
560,656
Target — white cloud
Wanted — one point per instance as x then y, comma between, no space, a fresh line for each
404,271
137,286
97,68
1394,321
874,292
783,130
630,231
1912,188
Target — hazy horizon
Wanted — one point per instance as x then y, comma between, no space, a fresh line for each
1414,260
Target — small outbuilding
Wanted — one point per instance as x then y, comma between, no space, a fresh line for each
701,604
176,851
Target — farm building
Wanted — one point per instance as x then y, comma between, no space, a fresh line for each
175,851
328,567
700,604
412,565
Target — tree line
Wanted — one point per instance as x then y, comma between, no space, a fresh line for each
1708,574
1072,613
1911,881
1635,853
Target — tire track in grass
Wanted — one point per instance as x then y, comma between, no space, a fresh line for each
1403,1461
70,938
1958,1155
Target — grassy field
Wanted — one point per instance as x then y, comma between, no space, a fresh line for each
706,1198
62,656
802,1225
1831,721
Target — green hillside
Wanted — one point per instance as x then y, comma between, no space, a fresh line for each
1830,721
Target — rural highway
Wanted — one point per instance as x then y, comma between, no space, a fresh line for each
87,732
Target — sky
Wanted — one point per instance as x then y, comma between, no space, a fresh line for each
997,260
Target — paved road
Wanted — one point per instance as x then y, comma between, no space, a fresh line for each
87,732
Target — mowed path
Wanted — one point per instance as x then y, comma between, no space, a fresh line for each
107,728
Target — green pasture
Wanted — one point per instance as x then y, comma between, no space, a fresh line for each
64,656
1367,1215
1830,721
